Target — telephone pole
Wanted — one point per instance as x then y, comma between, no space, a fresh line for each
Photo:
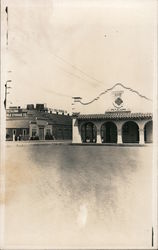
7,38
6,92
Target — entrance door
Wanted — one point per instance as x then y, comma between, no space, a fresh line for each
41,133
130,132
89,133
109,132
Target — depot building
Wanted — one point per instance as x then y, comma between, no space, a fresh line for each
118,115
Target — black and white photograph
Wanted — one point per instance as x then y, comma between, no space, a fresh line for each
78,124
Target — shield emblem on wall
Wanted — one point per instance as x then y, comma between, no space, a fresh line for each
118,101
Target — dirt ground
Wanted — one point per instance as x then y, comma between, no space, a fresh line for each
65,196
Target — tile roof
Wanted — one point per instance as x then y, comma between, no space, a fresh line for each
115,116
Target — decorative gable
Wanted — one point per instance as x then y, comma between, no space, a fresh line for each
119,98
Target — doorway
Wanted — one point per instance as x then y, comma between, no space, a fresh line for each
41,133
130,132
109,133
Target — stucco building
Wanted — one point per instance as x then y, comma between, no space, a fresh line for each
118,115
37,123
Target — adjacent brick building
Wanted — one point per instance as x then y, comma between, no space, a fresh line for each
37,123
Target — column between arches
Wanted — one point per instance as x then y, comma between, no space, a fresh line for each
141,136
119,125
98,126
141,124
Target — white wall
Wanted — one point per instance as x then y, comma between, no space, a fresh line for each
132,101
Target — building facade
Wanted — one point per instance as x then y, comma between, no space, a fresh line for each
37,123
118,115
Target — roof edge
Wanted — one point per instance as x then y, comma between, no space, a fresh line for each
109,89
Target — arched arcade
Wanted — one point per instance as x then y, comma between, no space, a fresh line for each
118,129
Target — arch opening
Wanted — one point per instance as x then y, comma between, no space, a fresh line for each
89,133
109,133
148,132
130,132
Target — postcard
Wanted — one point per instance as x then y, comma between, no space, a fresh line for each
78,124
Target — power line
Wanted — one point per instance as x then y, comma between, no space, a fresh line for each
71,74
74,75
56,93
75,67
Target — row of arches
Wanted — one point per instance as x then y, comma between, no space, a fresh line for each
108,132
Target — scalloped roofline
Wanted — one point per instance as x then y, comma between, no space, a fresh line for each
109,89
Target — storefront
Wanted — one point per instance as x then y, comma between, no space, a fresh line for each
37,124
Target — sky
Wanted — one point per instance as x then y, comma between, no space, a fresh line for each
60,49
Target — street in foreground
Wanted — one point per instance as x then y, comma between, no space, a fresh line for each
78,196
